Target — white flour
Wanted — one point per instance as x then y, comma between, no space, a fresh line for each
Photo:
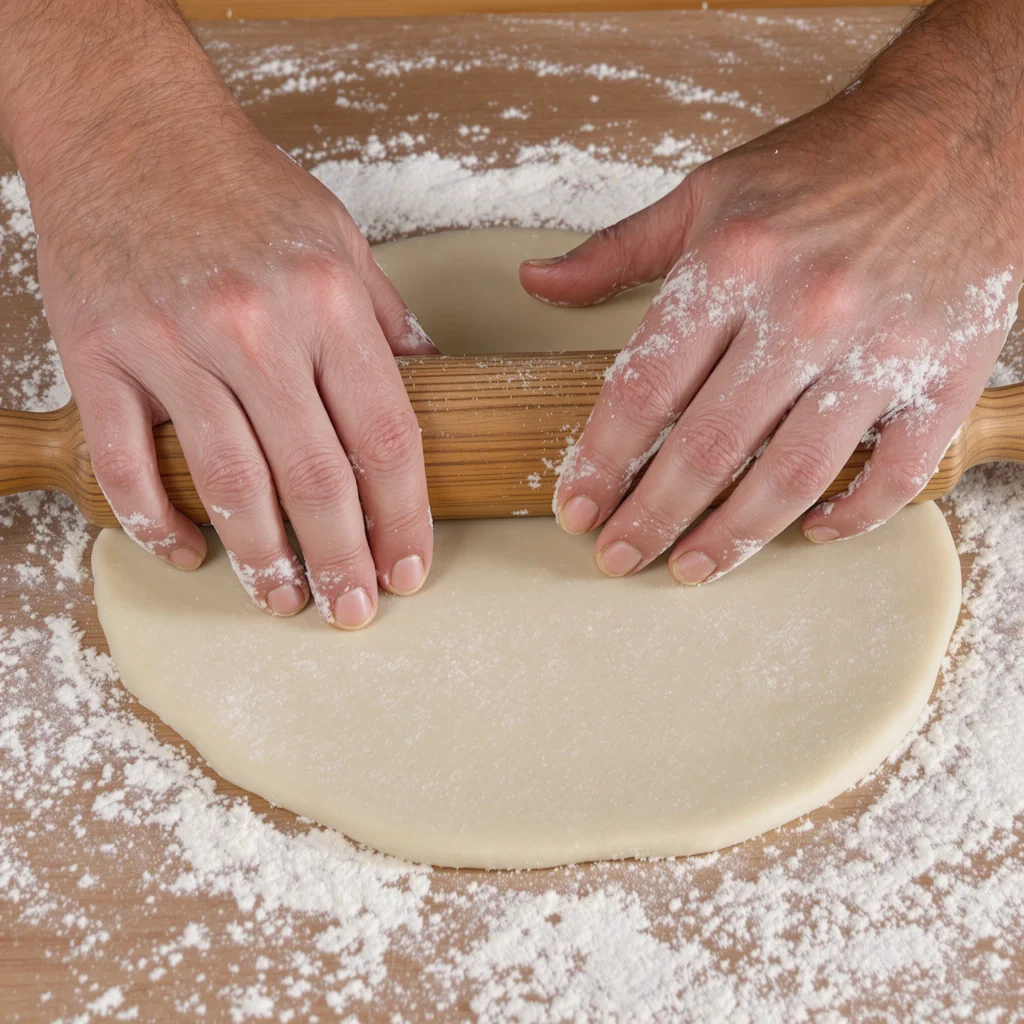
909,903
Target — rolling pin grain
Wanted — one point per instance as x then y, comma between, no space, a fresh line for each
495,429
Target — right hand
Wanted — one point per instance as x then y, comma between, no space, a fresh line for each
192,272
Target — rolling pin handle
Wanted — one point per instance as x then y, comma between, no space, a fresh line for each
35,450
994,431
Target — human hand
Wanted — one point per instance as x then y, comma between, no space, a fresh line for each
192,272
823,280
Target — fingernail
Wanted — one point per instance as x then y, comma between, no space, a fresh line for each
822,534
692,568
578,515
407,576
618,558
550,261
353,610
185,558
288,599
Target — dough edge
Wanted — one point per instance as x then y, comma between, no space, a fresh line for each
468,850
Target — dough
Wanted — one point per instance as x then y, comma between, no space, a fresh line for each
463,287
522,710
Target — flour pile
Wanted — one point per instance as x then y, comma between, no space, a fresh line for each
914,903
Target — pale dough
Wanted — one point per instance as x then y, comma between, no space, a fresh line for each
522,710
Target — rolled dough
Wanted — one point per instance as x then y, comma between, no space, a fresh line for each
524,711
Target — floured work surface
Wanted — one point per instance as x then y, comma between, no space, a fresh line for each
522,710
133,880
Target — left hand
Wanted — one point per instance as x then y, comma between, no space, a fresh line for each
822,280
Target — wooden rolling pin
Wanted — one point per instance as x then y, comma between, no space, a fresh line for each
494,429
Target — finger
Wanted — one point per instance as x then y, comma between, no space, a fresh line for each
402,331
636,250
800,461
367,403
317,488
906,456
233,481
118,426
713,441
651,381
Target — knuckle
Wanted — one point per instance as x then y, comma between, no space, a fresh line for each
239,306
331,284
712,448
241,312
407,520
957,393
830,294
315,476
722,530
344,564
799,470
646,393
91,346
119,469
330,275
657,520
905,477
747,238
390,440
265,562
695,184
232,475
616,235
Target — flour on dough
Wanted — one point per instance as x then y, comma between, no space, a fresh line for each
523,710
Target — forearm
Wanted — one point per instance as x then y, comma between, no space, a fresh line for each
953,83
82,81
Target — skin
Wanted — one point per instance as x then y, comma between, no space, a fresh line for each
854,270
192,272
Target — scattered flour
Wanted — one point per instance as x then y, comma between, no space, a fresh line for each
910,908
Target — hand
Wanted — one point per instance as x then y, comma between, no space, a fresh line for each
830,279
192,272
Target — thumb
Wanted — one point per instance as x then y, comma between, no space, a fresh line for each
639,249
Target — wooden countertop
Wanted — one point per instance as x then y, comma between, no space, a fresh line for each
781,65
228,10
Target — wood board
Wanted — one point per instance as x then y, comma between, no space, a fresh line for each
782,65
199,10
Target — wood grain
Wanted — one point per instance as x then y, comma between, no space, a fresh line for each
494,430
995,431
218,10
781,65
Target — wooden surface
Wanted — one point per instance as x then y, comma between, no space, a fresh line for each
199,10
487,423
781,65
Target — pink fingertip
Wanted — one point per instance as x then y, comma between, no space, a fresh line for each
619,558
185,558
578,515
693,567
353,610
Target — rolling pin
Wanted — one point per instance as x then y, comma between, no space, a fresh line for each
495,428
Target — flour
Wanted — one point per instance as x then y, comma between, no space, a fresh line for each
637,463
138,524
258,580
413,194
903,905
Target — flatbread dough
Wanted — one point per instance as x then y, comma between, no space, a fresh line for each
522,710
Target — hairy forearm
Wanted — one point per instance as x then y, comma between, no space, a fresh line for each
955,77
80,78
